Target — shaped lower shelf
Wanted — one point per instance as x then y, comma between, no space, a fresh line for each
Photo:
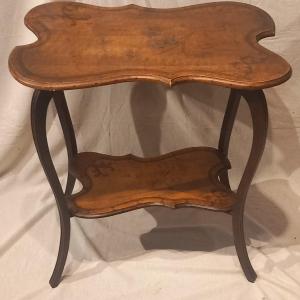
116,184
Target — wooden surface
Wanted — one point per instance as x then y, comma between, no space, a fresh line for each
113,185
81,46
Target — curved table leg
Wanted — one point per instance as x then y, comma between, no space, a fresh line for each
229,118
259,113
69,135
39,107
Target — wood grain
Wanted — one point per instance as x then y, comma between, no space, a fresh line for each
82,46
113,184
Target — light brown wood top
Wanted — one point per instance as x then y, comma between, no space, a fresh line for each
184,178
81,45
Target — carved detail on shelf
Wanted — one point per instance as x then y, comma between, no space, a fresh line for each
115,184
81,45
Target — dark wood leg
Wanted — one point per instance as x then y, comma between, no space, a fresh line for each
259,113
227,126
69,135
39,107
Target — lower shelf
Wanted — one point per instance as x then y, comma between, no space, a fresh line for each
116,184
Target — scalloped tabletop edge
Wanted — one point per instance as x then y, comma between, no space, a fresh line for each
114,77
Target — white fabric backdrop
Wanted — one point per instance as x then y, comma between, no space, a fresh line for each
153,253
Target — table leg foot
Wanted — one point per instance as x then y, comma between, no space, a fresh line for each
240,244
62,255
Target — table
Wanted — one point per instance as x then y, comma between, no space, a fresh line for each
81,46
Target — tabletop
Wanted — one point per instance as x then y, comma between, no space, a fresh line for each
81,46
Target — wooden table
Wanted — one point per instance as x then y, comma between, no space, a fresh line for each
81,46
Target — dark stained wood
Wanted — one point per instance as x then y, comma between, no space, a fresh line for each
39,108
82,46
114,184
259,113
